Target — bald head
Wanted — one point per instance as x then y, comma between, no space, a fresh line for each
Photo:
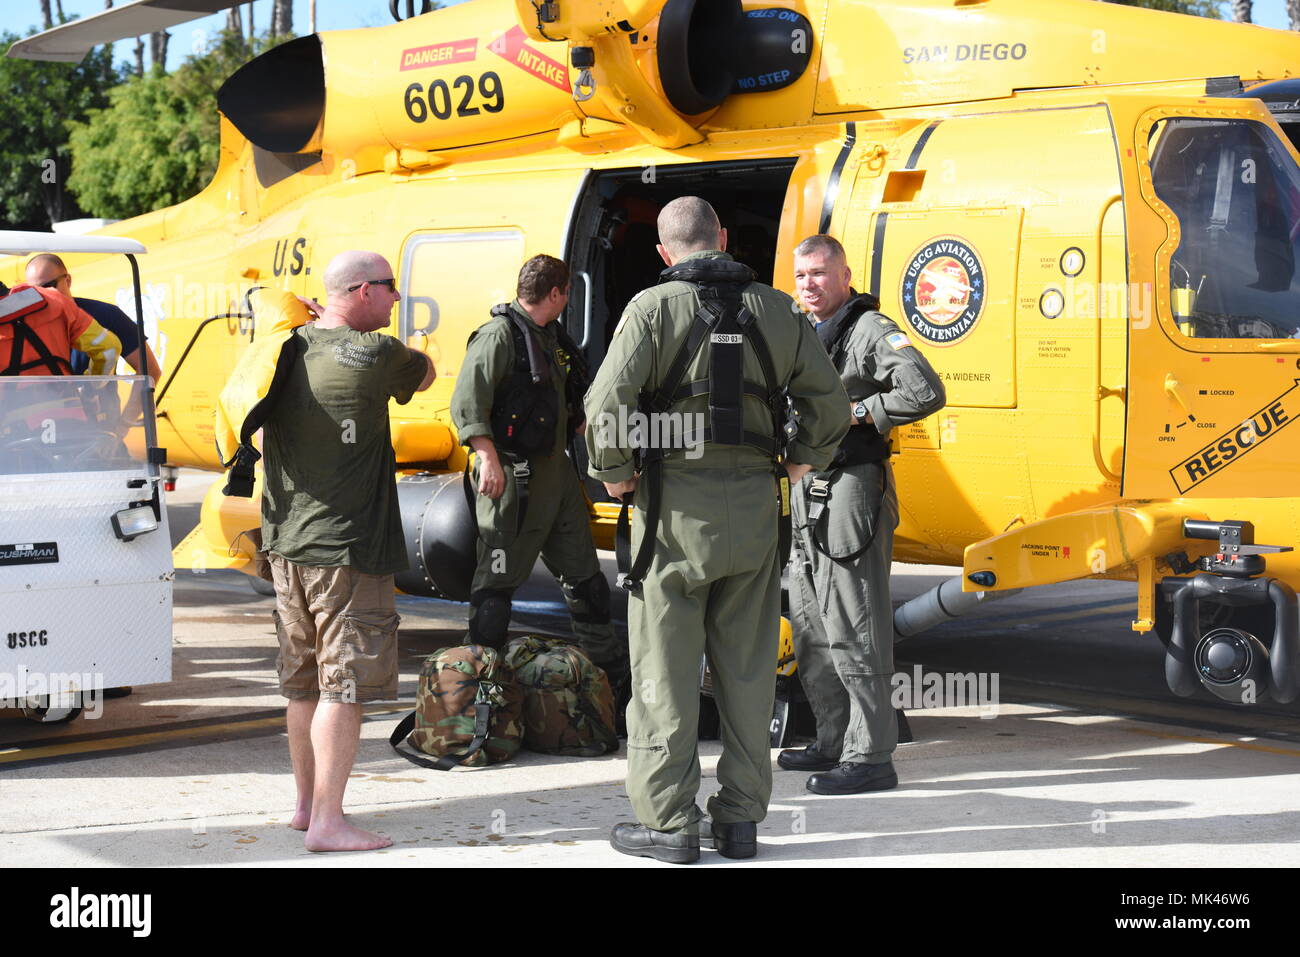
361,291
352,267
689,225
46,267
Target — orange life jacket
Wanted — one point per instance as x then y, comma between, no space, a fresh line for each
38,328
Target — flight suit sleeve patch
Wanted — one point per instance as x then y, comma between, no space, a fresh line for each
898,340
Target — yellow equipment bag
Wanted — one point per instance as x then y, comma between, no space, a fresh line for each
249,394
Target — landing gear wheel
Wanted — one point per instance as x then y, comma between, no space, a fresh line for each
38,709
261,585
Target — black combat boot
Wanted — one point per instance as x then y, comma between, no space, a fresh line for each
737,840
671,847
854,778
806,759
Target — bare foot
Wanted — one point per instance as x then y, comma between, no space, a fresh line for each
343,837
301,819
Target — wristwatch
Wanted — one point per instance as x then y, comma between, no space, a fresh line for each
860,411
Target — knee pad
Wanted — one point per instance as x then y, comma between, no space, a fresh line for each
588,600
489,618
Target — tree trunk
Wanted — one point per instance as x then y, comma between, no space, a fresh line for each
233,21
58,8
139,56
46,18
282,18
1293,11
1241,10
158,49
252,30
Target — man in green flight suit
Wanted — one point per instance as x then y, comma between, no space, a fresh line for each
844,520
715,413
512,407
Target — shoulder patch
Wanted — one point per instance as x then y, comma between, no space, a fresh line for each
883,321
899,340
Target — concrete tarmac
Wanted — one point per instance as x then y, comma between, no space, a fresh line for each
196,772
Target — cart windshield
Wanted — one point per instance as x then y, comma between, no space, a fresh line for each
73,424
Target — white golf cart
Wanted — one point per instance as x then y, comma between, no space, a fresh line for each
85,556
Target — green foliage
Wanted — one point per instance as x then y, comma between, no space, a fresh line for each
1196,8
156,142
38,99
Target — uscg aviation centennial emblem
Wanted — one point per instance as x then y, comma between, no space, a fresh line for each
943,290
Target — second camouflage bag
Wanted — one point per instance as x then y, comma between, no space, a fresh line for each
568,704
467,710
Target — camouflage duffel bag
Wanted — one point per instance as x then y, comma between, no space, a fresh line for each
568,705
467,710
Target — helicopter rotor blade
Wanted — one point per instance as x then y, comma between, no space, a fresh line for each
70,42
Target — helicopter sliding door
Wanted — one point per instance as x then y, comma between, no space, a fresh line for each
1214,380
611,246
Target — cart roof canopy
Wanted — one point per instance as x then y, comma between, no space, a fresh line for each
20,243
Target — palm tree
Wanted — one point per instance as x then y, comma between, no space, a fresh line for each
1293,11
1241,10
282,18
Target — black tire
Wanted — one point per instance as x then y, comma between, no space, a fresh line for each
260,585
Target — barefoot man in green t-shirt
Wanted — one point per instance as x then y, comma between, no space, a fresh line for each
332,531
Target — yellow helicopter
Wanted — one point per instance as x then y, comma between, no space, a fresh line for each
1087,214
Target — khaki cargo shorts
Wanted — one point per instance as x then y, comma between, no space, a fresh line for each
338,632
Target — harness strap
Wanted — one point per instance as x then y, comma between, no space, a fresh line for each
819,499
723,319
24,333
482,724
522,473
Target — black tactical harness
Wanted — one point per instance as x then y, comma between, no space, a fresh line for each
723,320
525,408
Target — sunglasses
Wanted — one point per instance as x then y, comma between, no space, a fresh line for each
376,282
54,283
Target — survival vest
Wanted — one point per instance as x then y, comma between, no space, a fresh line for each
863,443
525,406
250,394
726,324
37,330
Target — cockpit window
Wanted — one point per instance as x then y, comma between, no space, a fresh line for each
1236,192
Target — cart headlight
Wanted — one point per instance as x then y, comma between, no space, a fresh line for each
133,522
